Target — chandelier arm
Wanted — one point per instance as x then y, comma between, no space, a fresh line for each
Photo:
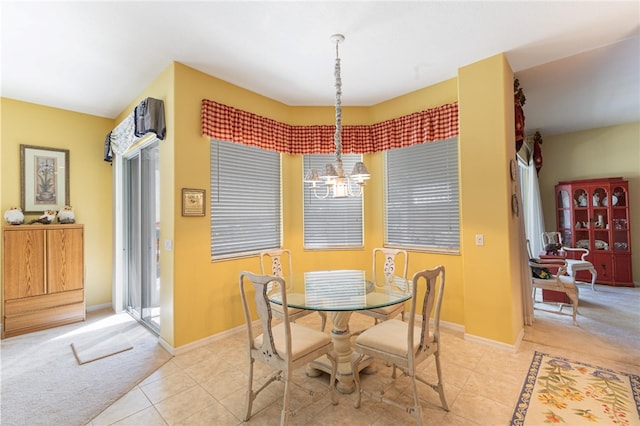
350,188
315,193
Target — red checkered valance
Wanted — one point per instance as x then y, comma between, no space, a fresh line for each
230,124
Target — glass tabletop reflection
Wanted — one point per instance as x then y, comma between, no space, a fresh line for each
343,290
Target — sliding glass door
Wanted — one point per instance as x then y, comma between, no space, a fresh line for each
141,235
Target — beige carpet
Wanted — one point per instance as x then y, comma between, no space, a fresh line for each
559,390
43,384
608,324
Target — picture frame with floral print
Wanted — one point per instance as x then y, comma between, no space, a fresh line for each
44,178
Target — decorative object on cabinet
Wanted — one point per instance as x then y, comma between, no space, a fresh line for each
582,200
44,178
14,216
192,202
598,220
46,218
43,277
66,215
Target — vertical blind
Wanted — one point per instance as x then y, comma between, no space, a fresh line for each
332,222
422,196
245,199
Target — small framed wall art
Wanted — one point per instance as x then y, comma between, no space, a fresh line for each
44,178
192,202
515,205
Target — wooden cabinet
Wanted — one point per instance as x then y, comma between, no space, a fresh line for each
594,214
42,277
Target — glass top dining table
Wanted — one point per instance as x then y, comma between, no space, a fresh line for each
341,292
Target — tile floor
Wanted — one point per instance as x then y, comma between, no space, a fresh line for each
206,386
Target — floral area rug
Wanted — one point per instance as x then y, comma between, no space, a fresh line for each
561,391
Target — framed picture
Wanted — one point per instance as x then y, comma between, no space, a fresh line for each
192,202
44,178
515,206
513,169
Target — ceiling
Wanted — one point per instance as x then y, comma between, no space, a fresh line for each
578,62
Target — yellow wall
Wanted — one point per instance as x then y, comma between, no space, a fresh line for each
487,143
603,152
89,177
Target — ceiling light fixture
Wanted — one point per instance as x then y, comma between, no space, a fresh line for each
337,183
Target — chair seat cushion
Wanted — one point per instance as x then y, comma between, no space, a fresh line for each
578,265
568,283
389,336
304,340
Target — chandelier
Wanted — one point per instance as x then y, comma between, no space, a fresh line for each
338,184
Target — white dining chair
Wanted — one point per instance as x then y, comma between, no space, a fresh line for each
277,261
285,346
388,263
573,265
405,345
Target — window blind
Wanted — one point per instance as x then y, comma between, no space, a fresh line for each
422,196
245,199
332,222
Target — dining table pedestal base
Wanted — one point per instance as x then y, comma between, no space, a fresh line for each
341,337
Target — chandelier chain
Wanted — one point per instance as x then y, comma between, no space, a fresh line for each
337,138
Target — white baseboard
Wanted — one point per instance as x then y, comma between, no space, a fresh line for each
451,326
166,346
202,342
482,340
496,344
98,307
